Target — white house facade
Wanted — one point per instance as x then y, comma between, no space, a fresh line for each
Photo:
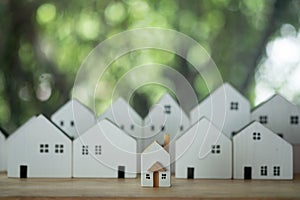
226,108
203,152
259,153
104,151
282,117
74,118
39,149
155,166
3,152
165,117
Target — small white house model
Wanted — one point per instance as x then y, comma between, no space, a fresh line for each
282,117
155,167
165,117
203,152
104,151
258,153
123,115
39,149
226,108
3,152
74,118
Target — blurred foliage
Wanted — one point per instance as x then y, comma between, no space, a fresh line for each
44,42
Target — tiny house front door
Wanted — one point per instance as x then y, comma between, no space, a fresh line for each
155,179
247,173
121,172
190,172
23,171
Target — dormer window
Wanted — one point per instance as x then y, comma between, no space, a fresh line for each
234,106
263,119
294,120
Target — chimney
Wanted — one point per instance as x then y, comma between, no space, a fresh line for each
166,142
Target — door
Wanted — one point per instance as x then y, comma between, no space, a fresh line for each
247,173
155,179
23,171
121,172
190,172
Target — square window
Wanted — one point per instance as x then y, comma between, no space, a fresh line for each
164,176
216,149
85,149
98,150
256,136
59,148
263,119
234,106
44,148
294,120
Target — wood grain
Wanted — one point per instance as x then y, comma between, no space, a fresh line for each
130,189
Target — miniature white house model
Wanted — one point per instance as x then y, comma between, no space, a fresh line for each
226,108
203,152
259,153
104,151
282,117
155,166
39,149
74,118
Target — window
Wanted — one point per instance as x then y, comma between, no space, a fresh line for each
59,148
132,127
167,109
85,149
181,128
294,119
98,150
44,148
263,171
256,136
234,106
61,123
152,128
263,119
276,171
163,176
215,149
147,176
72,123
162,128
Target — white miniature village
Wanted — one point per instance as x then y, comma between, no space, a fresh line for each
220,139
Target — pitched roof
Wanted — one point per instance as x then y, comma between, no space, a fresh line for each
154,146
156,167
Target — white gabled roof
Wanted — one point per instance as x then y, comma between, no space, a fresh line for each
276,99
72,104
120,105
259,127
153,147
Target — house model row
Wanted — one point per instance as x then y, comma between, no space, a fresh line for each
221,139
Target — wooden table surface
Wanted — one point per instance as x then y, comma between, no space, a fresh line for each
11,188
